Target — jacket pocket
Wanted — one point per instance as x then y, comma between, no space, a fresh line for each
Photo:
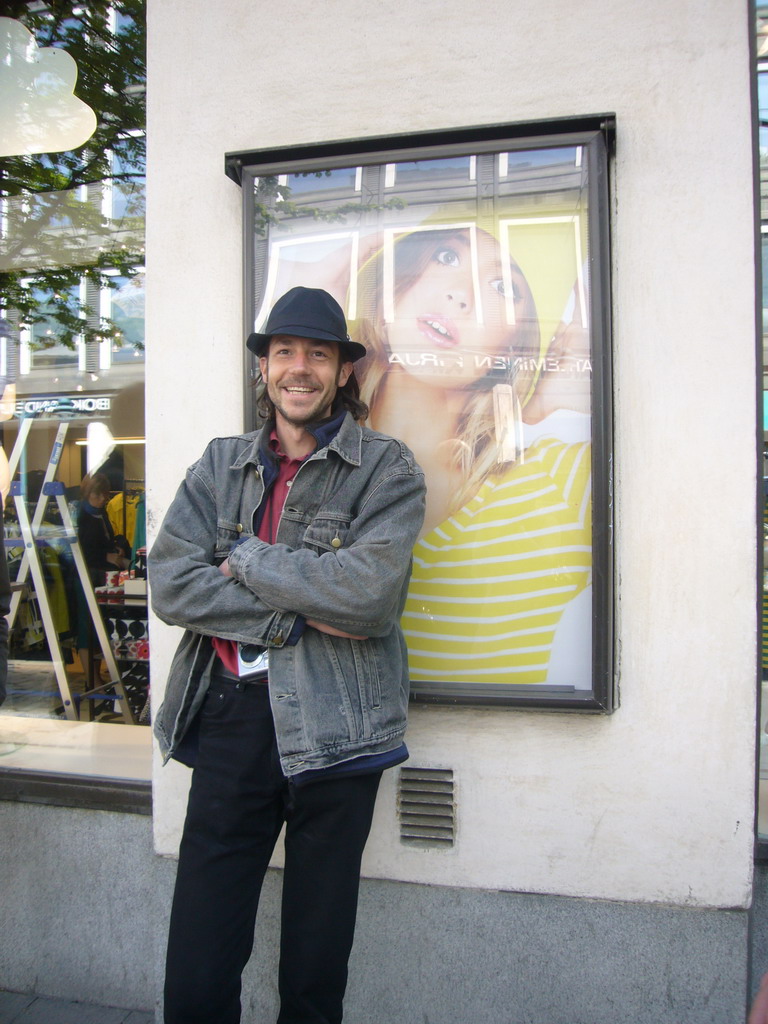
327,532
227,535
367,672
358,685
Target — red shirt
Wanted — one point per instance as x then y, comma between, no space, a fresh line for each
267,531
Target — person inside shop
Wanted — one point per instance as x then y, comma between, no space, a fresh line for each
103,552
292,546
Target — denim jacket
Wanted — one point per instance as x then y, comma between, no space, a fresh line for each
342,557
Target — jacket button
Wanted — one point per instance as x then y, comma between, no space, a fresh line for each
336,543
277,638
239,527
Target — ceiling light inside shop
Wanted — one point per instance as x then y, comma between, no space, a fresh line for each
100,444
83,442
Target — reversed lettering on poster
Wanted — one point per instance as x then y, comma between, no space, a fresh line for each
546,364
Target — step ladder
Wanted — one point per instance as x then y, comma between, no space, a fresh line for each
31,537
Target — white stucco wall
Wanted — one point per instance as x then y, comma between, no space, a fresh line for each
656,802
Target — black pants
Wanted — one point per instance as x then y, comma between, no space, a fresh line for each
238,802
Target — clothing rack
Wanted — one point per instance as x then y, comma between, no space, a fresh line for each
129,492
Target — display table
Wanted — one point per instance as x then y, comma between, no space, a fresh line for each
126,622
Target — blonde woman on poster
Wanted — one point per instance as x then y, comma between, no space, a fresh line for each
456,369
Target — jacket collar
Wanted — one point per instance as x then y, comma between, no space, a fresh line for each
347,442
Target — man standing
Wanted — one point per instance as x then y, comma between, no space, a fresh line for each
290,546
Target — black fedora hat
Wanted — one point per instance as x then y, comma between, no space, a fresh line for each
307,313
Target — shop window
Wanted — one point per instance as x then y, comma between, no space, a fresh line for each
73,369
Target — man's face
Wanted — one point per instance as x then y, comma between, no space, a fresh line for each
302,376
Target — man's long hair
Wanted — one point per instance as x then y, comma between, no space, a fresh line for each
347,397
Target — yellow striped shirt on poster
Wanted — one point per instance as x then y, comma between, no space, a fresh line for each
491,583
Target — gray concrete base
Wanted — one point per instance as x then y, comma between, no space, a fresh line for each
457,956
427,955
78,913
30,1009
85,904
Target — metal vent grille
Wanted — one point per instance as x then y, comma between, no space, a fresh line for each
426,807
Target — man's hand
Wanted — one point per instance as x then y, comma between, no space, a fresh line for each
224,568
759,1012
332,631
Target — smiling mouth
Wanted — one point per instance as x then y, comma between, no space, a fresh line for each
437,331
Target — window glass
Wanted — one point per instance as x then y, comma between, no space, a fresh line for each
125,306
127,193
46,350
73,410
430,171
320,181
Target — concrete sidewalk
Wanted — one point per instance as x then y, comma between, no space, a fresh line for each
17,1008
